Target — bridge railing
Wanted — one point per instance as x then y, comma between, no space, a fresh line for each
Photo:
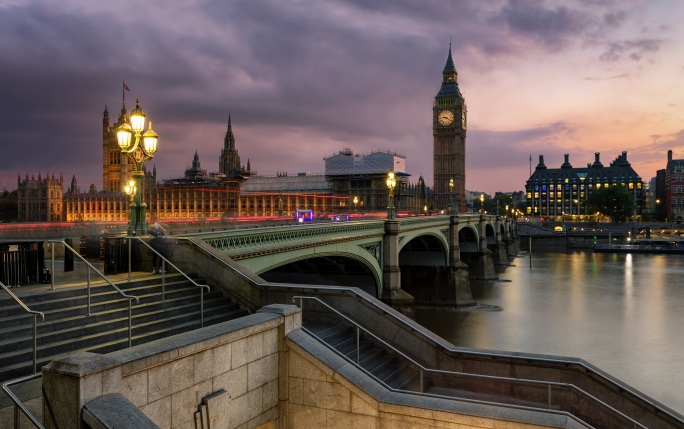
596,375
531,388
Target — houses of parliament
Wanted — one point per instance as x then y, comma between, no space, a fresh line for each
352,182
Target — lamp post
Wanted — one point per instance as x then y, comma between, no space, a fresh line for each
391,183
481,203
506,210
356,201
138,154
451,195
280,203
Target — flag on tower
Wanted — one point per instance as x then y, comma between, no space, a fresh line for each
126,87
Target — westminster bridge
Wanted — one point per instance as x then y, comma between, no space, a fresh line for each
411,260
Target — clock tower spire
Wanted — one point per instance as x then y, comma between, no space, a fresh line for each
449,134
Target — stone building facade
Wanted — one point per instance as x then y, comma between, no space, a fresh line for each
554,192
449,136
674,188
40,200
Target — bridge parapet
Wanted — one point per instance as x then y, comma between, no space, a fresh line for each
237,241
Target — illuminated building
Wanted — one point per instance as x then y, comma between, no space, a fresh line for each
449,136
674,188
552,193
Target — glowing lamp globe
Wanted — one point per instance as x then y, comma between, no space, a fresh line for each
123,135
137,118
150,140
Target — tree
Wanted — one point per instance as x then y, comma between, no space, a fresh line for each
613,201
8,206
646,217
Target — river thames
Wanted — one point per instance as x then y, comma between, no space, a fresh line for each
622,313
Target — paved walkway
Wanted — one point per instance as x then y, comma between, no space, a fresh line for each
78,278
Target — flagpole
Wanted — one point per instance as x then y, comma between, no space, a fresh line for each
123,93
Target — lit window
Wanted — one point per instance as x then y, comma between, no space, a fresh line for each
529,195
536,195
639,185
529,210
598,185
631,185
566,180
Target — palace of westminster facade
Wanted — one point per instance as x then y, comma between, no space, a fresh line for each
236,191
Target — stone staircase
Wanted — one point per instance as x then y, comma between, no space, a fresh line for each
392,369
67,329
398,373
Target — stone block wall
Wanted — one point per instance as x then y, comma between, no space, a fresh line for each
327,392
167,379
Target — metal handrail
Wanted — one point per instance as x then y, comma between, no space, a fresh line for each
90,266
164,262
353,291
34,313
17,402
424,369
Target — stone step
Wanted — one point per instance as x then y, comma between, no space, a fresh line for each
77,326
117,329
60,293
107,294
120,341
25,321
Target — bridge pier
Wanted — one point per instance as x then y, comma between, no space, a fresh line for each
441,286
500,254
481,263
392,293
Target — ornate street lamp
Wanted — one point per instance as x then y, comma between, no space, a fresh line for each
451,195
482,204
506,209
356,201
391,183
138,154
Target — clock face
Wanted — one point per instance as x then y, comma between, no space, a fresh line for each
463,117
446,117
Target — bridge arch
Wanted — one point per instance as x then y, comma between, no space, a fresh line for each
335,268
489,232
424,249
468,239
502,232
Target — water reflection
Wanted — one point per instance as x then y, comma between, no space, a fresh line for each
623,313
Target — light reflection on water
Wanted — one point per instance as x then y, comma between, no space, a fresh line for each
622,313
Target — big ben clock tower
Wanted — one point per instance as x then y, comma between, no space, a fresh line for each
449,133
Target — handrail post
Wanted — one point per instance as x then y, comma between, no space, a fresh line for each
549,399
130,322
358,335
34,342
16,416
52,265
201,307
163,280
421,381
129,260
88,271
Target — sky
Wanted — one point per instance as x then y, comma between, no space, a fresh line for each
303,79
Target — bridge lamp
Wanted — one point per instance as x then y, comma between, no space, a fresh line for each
130,188
391,183
356,201
506,209
451,195
481,203
138,154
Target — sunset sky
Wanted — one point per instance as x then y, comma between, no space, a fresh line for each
304,79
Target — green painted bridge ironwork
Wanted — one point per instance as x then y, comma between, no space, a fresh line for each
263,249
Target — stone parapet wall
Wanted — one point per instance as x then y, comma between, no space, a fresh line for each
168,379
325,391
